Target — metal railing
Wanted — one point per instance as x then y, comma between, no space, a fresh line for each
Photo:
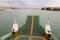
3,37
53,37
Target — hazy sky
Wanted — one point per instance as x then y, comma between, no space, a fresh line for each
31,3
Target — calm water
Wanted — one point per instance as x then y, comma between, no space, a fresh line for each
7,19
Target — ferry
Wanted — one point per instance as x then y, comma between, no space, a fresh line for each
31,30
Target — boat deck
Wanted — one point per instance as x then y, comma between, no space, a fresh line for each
29,38
32,30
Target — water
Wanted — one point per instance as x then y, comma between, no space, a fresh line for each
7,19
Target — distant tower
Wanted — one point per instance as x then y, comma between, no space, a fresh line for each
47,31
15,29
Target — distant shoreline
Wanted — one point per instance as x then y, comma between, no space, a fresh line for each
2,8
51,8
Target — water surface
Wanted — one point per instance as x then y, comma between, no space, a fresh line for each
7,19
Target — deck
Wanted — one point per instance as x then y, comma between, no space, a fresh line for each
32,30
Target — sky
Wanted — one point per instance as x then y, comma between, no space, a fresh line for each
30,3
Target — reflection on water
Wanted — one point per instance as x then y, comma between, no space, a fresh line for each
7,19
